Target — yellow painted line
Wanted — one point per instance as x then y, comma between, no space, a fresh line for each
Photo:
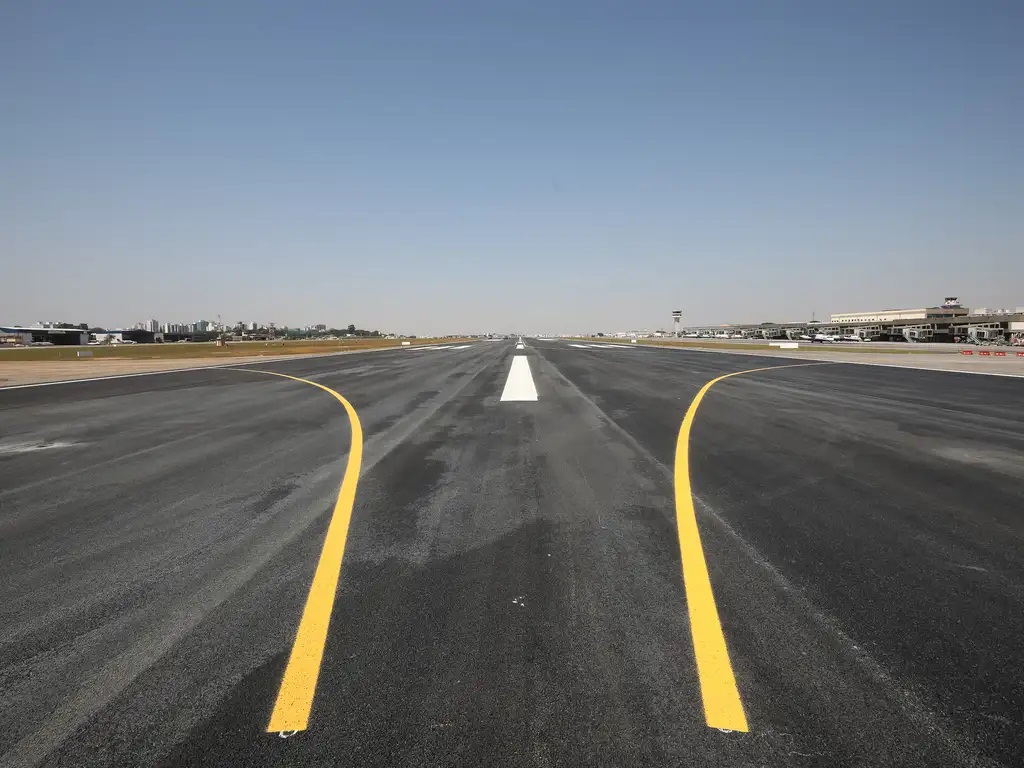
722,705
298,686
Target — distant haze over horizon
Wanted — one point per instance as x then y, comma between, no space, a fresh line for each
666,323
484,167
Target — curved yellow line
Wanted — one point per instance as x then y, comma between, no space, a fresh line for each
722,705
298,686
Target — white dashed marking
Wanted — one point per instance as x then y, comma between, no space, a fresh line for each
519,386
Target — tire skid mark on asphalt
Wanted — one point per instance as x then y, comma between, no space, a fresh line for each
114,460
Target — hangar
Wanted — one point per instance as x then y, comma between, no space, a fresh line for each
37,334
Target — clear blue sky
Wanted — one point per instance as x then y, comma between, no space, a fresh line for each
447,166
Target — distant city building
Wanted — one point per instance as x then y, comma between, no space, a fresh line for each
254,326
320,327
178,327
154,326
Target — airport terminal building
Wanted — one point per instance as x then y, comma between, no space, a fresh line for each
947,322
950,309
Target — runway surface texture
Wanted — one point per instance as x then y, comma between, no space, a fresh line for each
512,587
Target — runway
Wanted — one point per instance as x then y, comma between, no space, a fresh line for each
512,588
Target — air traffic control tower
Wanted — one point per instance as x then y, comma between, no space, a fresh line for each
677,319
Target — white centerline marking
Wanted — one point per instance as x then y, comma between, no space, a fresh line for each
519,386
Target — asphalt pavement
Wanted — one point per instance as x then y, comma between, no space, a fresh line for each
511,590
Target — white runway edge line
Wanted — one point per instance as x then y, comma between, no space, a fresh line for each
519,386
